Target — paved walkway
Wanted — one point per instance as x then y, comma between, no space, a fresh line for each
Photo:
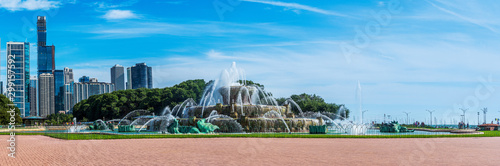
41,150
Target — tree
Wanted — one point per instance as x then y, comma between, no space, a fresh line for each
117,104
5,115
57,119
313,103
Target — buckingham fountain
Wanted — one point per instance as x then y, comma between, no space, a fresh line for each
232,106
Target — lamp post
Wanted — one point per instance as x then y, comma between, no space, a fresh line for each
463,110
478,118
431,114
407,119
362,116
484,112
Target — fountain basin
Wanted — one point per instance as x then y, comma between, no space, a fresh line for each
236,111
126,128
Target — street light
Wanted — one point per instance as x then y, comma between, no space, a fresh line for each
484,112
407,119
363,115
431,114
463,110
478,118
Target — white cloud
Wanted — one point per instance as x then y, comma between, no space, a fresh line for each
470,20
119,14
107,5
297,6
17,5
136,29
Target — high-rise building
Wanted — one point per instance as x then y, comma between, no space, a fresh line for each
59,90
117,77
46,54
84,79
142,76
83,90
68,90
68,98
18,75
33,96
68,75
46,65
46,95
129,78
93,80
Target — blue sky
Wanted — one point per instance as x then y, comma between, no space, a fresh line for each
407,55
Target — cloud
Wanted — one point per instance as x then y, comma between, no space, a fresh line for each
467,19
18,5
297,6
105,5
138,29
119,15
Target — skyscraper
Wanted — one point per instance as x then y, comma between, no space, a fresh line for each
18,75
68,75
46,65
33,96
129,78
141,76
83,90
59,91
117,77
68,90
84,79
46,62
46,95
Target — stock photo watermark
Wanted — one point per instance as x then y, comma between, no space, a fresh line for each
482,92
425,149
372,29
12,136
223,6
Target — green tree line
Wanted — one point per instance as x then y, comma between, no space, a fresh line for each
117,104
314,103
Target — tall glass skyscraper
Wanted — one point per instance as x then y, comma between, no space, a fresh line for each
46,62
59,91
18,75
117,77
46,66
141,76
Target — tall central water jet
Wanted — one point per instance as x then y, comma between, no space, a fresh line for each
231,96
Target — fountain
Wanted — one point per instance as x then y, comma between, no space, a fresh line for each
76,128
394,127
230,105
230,101
100,125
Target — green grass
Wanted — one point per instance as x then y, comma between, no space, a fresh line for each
8,133
88,136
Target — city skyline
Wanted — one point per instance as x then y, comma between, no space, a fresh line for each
436,64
